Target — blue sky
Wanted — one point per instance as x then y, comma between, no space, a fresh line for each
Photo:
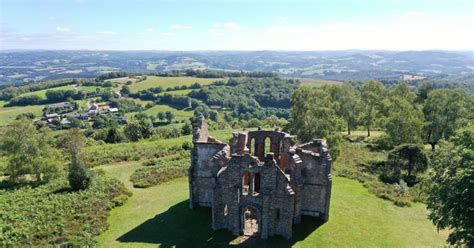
237,25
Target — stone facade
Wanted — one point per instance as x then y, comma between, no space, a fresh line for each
261,183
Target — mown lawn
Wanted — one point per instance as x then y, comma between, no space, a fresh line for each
165,82
160,216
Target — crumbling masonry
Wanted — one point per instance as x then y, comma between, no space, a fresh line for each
260,183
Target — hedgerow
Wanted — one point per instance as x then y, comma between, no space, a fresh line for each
53,214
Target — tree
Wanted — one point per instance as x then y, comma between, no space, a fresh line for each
445,111
161,116
113,136
372,94
132,131
450,198
312,115
213,115
409,157
79,176
29,151
347,104
404,123
169,116
187,128
125,90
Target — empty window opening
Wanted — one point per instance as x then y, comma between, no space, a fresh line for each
268,145
226,210
256,184
250,221
245,183
277,214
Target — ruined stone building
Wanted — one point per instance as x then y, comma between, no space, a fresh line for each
261,183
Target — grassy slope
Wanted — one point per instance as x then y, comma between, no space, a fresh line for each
8,114
165,82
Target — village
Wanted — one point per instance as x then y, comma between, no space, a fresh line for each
61,115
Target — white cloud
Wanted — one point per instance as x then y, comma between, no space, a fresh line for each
63,29
179,26
107,32
149,30
409,31
167,34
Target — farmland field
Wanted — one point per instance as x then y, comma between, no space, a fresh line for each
165,82
179,114
9,113
42,93
177,92
316,82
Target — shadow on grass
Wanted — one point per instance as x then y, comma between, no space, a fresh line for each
180,226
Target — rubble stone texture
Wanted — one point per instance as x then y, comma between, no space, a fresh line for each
261,183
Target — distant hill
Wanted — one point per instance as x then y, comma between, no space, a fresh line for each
24,66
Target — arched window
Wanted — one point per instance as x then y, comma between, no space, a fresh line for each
256,184
226,210
268,145
246,183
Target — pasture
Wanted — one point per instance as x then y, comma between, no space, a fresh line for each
178,114
316,82
8,114
166,82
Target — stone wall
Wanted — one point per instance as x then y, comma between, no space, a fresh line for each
261,183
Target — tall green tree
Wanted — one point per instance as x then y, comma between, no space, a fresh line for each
445,111
312,114
409,157
404,123
79,176
169,116
30,151
451,196
347,104
372,93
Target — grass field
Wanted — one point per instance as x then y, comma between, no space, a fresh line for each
179,114
8,114
42,93
177,92
316,82
165,82
161,216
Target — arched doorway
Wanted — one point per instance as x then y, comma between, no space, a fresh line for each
250,221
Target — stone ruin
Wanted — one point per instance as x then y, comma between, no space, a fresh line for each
261,183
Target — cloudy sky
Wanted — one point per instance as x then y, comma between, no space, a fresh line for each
237,24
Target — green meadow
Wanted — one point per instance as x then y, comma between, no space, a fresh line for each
165,82
8,114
